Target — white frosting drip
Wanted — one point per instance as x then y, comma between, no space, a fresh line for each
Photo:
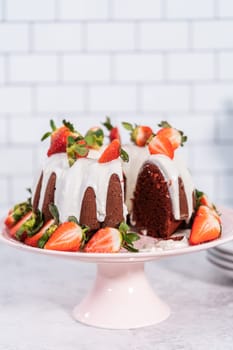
187,182
72,182
137,156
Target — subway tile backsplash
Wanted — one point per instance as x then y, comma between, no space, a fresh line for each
141,61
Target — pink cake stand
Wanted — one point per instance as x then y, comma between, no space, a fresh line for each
122,297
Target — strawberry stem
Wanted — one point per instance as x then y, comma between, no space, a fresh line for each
54,212
128,126
128,238
108,124
69,125
124,155
164,124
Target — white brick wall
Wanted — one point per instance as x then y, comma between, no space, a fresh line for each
133,9
57,37
189,9
15,99
141,61
24,68
14,37
110,36
31,10
213,34
166,98
191,66
164,35
140,67
87,68
83,9
55,99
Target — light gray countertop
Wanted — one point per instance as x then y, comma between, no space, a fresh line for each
37,294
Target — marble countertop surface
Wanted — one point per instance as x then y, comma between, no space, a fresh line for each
37,294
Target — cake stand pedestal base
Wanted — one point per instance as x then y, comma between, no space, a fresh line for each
121,298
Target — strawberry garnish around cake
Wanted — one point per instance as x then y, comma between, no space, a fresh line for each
139,134
94,137
15,229
16,213
114,131
33,240
206,226
111,240
68,236
59,137
113,151
176,137
166,140
202,199
30,226
161,145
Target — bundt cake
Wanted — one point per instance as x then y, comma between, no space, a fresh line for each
145,184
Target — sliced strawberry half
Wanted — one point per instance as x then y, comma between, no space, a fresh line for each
139,134
13,230
206,226
203,200
16,213
113,151
69,236
114,131
33,241
10,220
161,145
110,240
176,137
59,137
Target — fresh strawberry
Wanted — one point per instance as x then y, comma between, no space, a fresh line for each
13,230
114,131
33,241
161,145
140,134
94,137
69,236
16,213
76,148
110,240
202,199
59,137
176,137
30,227
113,151
10,220
206,226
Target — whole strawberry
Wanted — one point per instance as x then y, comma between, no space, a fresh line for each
111,240
140,134
59,137
176,137
114,131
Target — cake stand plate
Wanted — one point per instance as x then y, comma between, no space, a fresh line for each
122,297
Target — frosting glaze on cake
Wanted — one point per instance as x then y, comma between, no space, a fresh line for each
83,190
73,182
